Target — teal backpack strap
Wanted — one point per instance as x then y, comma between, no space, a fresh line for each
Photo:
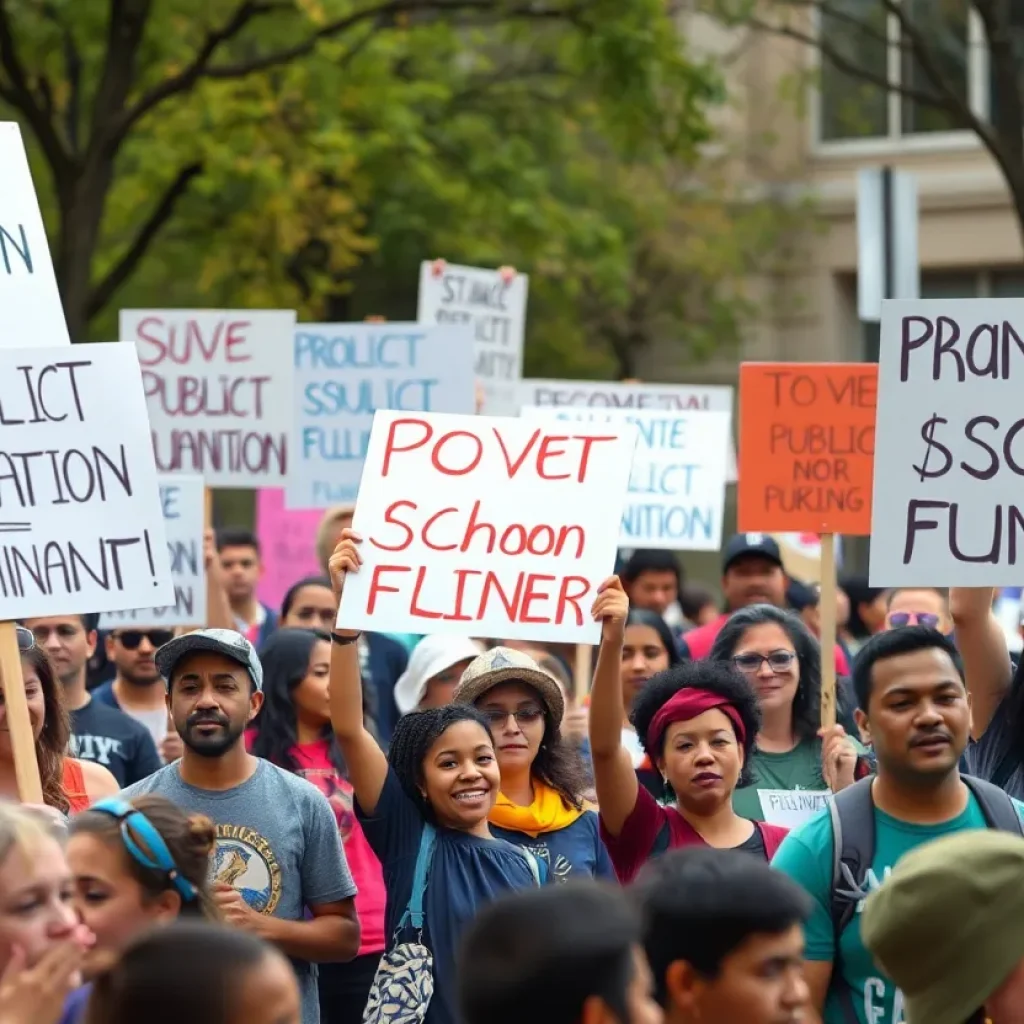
414,911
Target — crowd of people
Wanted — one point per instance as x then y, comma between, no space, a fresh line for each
278,819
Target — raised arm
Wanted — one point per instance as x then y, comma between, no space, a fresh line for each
614,777
367,765
983,650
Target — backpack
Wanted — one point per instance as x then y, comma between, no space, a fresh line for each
853,850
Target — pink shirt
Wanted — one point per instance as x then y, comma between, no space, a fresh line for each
314,765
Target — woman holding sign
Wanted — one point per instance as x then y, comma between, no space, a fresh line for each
424,809
697,723
782,660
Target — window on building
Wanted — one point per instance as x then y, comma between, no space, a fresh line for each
865,34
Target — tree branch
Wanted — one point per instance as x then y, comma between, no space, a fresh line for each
73,70
201,66
102,293
20,97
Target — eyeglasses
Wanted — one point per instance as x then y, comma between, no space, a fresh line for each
498,716
777,661
131,639
898,619
26,641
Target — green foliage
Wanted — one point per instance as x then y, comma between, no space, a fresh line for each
484,131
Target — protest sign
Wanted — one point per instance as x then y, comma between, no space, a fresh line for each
182,500
493,303
82,528
792,807
807,441
219,388
32,311
632,395
344,373
676,493
948,508
487,526
287,545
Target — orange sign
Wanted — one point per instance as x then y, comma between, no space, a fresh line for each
807,447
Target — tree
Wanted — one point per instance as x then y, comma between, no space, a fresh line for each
931,39
207,122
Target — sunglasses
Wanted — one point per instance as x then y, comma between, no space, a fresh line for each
898,619
131,639
496,716
26,641
777,661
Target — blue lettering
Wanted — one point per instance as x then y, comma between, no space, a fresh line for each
365,397
668,522
384,350
169,495
8,241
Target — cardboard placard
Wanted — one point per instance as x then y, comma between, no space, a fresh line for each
287,545
487,526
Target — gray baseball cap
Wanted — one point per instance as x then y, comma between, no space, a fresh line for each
219,641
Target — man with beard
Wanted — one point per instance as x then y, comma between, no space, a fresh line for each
278,850
137,688
99,733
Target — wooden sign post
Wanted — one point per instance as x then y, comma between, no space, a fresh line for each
19,725
807,445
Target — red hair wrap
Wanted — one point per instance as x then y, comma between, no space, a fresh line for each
686,704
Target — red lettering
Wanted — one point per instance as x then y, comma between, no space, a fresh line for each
546,453
565,598
234,339
533,594
461,576
391,447
505,546
376,587
435,455
414,604
428,524
514,467
587,443
491,582
392,520
471,528
141,334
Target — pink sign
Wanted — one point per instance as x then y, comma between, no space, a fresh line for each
288,542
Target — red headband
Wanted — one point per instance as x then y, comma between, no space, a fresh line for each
686,704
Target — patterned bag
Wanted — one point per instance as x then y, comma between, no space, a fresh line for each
404,982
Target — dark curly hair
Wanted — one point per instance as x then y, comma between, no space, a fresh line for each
807,699
717,677
414,735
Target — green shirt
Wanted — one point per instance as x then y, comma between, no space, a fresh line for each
799,768
806,856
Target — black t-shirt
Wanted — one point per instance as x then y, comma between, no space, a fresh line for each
115,740
999,755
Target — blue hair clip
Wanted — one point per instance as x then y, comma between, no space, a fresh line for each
159,858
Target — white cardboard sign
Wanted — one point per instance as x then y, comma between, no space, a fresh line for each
219,388
487,526
494,305
611,395
344,373
947,505
790,808
81,528
182,502
32,312
677,485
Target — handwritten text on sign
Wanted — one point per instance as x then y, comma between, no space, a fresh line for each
493,304
181,498
790,808
948,505
677,484
487,526
81,528
30,310
633,395
219,389
807,441
344,373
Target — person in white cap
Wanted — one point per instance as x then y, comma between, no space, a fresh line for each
435,668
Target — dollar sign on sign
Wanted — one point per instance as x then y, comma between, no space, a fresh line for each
928,434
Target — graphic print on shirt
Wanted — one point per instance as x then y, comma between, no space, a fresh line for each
875,989
94,748
557,872
341,801
245,861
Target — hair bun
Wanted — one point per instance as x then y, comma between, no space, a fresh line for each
202,833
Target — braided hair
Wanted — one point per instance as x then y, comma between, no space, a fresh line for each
414,735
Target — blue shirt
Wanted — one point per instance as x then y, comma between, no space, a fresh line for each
74,1005
575,851
465,873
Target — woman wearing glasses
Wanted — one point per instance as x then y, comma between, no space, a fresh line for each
69,785
777,653
540,804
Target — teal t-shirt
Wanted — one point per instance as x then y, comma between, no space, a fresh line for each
806,856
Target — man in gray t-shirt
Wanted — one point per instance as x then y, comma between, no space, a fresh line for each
278,850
